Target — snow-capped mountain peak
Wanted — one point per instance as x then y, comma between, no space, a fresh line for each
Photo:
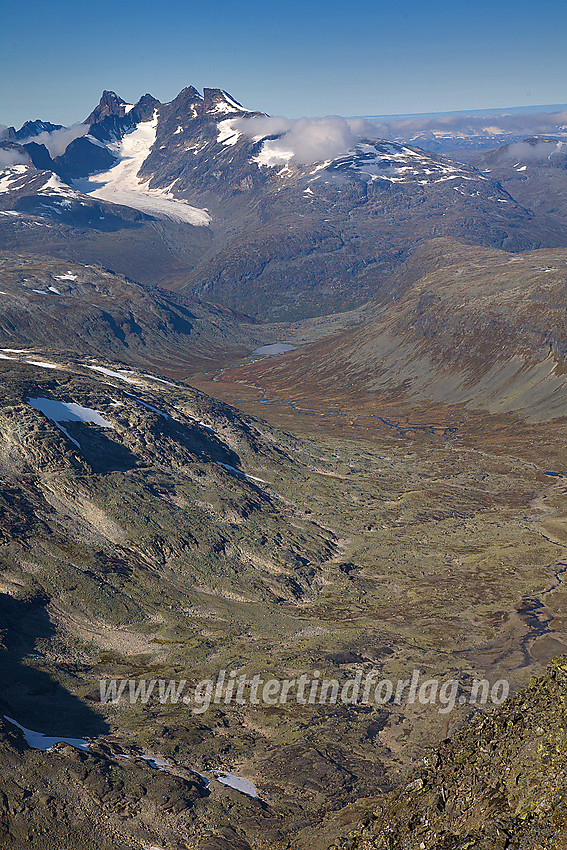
219,102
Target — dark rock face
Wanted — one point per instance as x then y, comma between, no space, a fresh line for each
500,782
109,104
40,156
83,157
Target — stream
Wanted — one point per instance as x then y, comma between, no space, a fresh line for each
532,607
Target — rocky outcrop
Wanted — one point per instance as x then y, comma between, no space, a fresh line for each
500,782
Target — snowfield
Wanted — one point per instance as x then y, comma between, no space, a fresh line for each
39,741
239,783
121,185
400,164
228,105
112,374
60,411
9,175
55,186
228,135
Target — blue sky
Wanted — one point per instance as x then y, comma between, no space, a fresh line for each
287,58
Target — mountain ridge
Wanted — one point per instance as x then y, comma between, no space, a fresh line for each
195,161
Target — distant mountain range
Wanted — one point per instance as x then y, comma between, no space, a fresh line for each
276,218
474,130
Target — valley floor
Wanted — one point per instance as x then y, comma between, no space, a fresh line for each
293,531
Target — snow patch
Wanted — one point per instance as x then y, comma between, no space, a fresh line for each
400,164
112,374
161,380
157,764
239,472
39,741
60,411
55,186
239,783
145,404
227,134
11,175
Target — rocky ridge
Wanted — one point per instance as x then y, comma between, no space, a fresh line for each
500,782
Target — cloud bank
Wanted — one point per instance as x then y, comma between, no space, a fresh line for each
57,141
12,156
310,140
519,124
307,140
529,152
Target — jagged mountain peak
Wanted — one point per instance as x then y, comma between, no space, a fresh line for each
112,110
187,94
109,104
214,102
113,116
218,100
30,129
34,128
108,96
144,109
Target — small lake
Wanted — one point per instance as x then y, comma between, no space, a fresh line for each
274,348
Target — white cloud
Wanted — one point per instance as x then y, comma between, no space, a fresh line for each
57,141
12,156
520,124
543,150
307,140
